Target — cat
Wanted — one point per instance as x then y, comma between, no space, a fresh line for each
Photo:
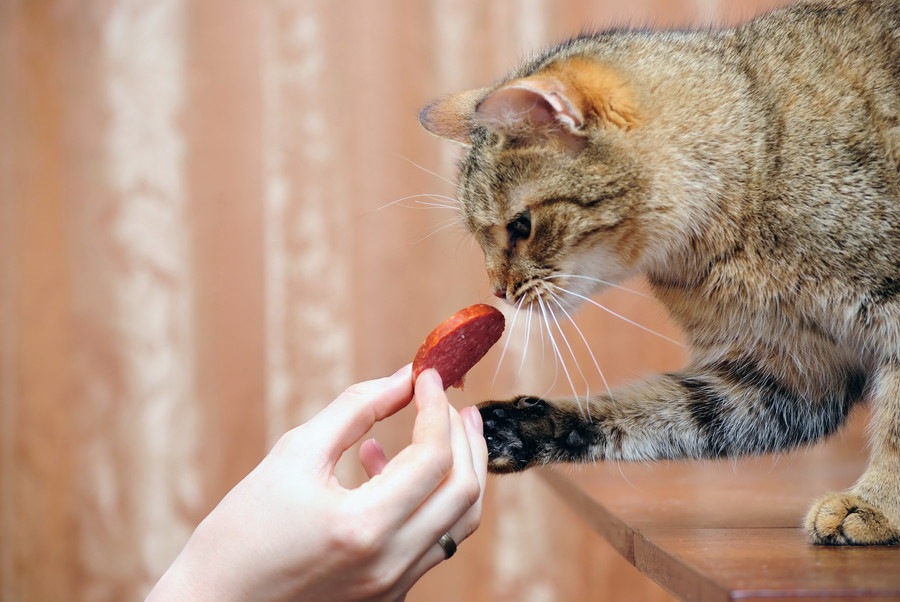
751,176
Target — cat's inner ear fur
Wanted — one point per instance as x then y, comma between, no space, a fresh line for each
563,99
529,106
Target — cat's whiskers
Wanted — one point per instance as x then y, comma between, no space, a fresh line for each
603,282
587,395
433,205
434,197
509,335
442,225
562,361
623,475
544,350
547,314
543,343
527,337
556,355
584,340
428,171
617,315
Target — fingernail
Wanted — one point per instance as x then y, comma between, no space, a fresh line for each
434,377
428,384
473,418
376,445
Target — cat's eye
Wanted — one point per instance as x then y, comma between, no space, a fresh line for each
519,228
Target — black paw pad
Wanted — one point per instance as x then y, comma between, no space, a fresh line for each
574,439
514,431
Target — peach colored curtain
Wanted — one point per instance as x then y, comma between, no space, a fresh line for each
203,241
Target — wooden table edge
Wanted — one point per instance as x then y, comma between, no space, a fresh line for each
639,546
631,544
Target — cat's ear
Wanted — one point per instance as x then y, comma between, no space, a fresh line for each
450,117
536,106
564,99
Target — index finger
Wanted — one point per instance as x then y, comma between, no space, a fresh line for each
414,473
350,416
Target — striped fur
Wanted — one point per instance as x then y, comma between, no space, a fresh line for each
752,176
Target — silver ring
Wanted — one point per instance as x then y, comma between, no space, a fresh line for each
447,544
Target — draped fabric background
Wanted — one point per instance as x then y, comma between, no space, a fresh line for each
202,242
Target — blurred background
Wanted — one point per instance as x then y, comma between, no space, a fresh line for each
210,226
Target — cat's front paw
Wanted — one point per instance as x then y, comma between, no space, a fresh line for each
528,431
513,431
843,519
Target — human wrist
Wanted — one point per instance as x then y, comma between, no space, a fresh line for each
199,573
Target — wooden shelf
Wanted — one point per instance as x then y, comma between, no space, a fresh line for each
730,530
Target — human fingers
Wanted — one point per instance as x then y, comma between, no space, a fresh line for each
459,491
475,433
350,416
471,518
372,457
411,476
411,545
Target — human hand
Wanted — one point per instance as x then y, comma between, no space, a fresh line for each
291,531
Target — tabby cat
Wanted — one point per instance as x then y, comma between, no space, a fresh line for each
751,175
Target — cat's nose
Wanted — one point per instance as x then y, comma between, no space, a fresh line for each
500,293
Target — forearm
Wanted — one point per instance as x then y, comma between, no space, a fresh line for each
197,573
721,409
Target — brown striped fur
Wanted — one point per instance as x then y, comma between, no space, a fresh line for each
752,176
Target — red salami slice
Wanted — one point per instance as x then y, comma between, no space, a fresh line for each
459,343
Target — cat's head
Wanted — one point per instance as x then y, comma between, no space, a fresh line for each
551,186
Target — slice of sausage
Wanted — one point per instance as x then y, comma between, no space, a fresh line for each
459,342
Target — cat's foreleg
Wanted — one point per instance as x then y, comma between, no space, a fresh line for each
869,513
728,408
